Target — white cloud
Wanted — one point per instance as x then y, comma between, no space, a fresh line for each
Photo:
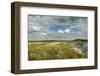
64,31
67,31
36,28
60,31
43,33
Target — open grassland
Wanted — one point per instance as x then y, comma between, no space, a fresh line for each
49,50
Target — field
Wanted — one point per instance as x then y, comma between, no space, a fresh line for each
51,50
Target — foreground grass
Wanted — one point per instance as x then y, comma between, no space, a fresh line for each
53,50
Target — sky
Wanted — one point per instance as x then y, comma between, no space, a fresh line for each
46,27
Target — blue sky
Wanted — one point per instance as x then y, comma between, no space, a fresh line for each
57,27
62,27
43,27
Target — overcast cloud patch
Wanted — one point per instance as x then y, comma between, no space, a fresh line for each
57,27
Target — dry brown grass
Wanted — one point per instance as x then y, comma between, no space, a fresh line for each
52,50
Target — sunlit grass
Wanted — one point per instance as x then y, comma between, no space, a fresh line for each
53,50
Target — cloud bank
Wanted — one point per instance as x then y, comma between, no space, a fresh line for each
42,27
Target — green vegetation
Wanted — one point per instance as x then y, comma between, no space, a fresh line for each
48,50
80,42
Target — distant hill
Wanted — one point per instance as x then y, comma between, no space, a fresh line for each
84,40
80,40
